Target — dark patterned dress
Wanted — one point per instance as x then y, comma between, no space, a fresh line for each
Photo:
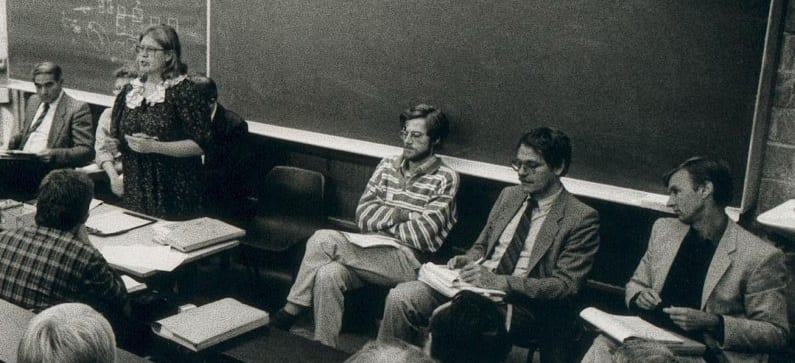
157,184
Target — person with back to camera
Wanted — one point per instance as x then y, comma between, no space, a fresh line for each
68,333
108,157
163,126
468,329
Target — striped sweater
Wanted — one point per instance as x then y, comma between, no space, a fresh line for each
419,211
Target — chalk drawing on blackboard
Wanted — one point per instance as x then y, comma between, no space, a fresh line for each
112,29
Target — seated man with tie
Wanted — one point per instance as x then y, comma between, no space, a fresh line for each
57,129
538,245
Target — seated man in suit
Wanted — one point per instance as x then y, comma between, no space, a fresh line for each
53,261
225,157
705,277
69,332
57,129
538,245
410,197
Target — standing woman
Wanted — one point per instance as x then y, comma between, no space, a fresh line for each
163,123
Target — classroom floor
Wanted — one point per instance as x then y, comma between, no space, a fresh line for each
215,284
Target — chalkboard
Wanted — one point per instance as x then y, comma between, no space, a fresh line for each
639,85
89,39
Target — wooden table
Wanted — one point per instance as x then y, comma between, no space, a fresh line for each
143,236
13,322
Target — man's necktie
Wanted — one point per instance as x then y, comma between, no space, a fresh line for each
511,255
39,119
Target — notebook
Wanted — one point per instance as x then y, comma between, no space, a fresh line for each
370,240
116,222
210,324
623,327
196,233
446,281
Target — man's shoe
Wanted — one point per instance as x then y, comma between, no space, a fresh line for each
283,320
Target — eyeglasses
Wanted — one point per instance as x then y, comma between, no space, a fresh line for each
414,135
528,165
147,50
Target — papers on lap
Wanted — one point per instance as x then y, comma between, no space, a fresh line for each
196,233
210,324
370,240
622,327
446,281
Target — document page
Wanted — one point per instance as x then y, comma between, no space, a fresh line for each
115,222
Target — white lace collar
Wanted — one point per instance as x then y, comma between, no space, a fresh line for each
136,94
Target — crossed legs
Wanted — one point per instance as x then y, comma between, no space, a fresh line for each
332,266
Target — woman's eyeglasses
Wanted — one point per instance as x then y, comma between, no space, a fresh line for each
147,50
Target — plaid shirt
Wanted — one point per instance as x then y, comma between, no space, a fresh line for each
41,267
429,195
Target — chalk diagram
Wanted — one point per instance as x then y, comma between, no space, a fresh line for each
111,27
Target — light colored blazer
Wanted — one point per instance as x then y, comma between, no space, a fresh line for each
745,284
71,135
564,250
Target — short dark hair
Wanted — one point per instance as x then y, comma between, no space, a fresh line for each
47,67
63,200
553,145
206,86
471,329
436,121
703,169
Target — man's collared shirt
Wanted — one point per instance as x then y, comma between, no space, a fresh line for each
539,215
41,267
429,194
37,141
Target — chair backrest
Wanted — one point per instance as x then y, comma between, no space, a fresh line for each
293,191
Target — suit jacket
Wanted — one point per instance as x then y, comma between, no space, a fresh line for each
745,284
227,149
71,135
226,156
564,250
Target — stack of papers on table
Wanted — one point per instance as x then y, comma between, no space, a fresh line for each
161,258
210,324
446,281
196,233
